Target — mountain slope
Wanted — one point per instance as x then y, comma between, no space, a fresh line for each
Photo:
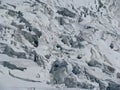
64,43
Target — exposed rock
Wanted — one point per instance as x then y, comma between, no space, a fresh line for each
59,71
60,20
65,39
70,82
12,66
102,86
76,70
113,86
66,12
91,77
33,39
111,46
39,60
71,28
10,52
79,38
88,27
47,9
76,44
118,75
68,40
12,13
79,57
12,5
40,2
94,63
100,5
48,56
1,27
18,26
59,47
23,20
108,69
85,85
37,32
80,19
20,14
2,7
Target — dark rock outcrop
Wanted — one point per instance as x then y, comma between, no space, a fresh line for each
76,70
59,71
66,12
92,78
12,13
37,32
10,52
85,85
5,49
12,66
94,63
40,60
118,75
33,39
70,82
108,69
113,86
75,44
17,26
61,20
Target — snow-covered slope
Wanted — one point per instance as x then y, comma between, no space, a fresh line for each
60,43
